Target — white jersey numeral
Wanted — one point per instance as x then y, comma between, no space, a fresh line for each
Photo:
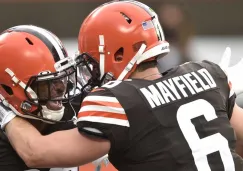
202,147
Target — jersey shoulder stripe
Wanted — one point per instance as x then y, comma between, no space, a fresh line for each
103,109
98,119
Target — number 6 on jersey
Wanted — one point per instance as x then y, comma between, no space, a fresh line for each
202,147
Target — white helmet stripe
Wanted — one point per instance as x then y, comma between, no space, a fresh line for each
102,55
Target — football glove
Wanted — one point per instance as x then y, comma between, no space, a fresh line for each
101,160
234,73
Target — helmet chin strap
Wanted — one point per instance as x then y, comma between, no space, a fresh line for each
55,115
132,62
17,81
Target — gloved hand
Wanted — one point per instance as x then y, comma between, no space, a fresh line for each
234,73
101,160
6,115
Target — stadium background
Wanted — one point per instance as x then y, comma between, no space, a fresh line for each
196,29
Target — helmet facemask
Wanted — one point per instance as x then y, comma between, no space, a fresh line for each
88,71
47,93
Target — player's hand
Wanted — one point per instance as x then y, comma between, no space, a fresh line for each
6,115
234,73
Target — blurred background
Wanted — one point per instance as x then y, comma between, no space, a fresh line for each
195,29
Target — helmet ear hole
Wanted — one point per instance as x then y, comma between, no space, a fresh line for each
119,55
7,89
136,46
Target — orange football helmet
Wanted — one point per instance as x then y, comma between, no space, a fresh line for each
35,73
119,35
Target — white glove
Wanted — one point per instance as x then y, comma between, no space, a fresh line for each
101,160
6,115
63,169
234,73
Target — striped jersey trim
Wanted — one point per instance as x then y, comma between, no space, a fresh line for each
103,109
100,119
101,98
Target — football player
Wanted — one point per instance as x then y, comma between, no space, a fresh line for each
31,86
183,119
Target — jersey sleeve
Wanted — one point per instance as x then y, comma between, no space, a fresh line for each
225,85
102,115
